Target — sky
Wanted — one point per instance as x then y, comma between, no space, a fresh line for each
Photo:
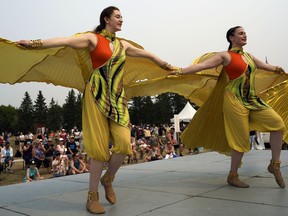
178,31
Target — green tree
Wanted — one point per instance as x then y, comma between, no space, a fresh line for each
40,110
25,114
177,101
135,110
163,109
148,111
144,110
8,118
69,111
54,116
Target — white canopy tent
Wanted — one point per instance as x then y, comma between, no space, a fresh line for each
185,115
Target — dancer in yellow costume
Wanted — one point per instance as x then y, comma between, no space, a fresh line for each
242,110
99,74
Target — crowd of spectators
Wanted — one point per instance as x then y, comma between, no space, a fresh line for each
151,142
62,152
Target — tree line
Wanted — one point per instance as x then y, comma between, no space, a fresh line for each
31,115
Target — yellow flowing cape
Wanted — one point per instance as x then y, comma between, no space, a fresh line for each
71,68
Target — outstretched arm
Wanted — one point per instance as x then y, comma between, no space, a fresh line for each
136,52
82,41
268,67
215,61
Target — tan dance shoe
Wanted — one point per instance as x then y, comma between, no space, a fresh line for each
233,179
106,181
274,168
93,204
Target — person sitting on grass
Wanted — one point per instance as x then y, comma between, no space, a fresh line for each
76,165
32,173
58,165
7,156
170,152
153,154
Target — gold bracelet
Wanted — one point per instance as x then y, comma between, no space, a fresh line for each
38,43
179,71
279,70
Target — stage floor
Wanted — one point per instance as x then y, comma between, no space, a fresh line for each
190,185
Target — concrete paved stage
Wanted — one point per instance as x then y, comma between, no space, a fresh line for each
190,185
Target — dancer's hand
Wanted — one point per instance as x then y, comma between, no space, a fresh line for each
279,70
25,43
177,72
168,67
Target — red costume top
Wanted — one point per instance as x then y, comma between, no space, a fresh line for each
236,67
103,48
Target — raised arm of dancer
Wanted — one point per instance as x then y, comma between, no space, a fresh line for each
136,52
216,60
268,67
78,42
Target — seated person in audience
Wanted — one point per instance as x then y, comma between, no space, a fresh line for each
27,152
60,147
1,161
58,165
76,165
49,154
162,141
7,156
32,173
133,156
38,154
170,152
153,154
71,146
143,147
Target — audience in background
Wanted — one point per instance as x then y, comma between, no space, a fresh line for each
58,165
27,152
76,165
7,156
61,154
32,173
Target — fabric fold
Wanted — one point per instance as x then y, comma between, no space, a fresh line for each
71,68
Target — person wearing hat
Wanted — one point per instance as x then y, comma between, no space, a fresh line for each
7,155
49,153
32,173
63,135
71,146
58,165
27,153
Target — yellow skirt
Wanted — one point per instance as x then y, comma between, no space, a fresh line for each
209,128
238,122
99,131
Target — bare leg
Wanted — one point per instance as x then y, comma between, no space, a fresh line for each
95,174
10,163
276,141
93,204
236,158
115,162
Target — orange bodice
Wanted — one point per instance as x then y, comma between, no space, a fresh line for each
236,67
102,52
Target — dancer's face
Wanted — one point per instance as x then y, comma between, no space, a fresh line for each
114,23
239,38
